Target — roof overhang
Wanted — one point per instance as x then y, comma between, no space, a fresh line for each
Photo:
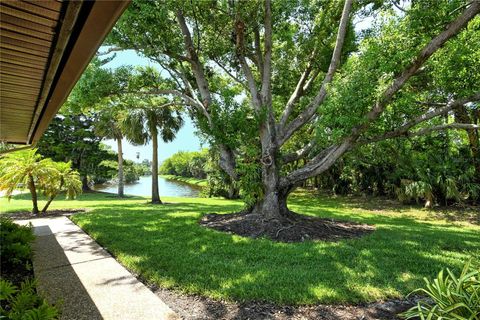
44,48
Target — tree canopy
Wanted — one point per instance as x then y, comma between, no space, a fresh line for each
295,80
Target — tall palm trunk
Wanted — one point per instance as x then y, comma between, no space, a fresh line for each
120,167
33,191
155,194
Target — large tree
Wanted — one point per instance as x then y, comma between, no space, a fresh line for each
309,87
147,120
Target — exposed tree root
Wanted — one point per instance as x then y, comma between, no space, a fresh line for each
289,228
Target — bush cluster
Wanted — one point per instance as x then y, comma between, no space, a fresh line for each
15,250
18,294
190,164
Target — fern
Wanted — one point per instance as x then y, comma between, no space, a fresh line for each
24,303
7,290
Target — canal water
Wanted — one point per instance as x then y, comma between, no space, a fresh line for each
143,187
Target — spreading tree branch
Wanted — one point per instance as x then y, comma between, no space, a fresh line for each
110,50
227,157
455,125
302,86
436,43
258,50
404,131
197,66
266,91
311,108
231,75
299,154
247,71
322,162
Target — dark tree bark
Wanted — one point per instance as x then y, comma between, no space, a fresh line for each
155,193
33,192
85,186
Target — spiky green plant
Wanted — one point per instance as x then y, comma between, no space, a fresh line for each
452,297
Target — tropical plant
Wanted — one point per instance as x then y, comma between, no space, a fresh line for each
15,250
62,179
24,303
453,297
149,119
22,169
27,168
18,296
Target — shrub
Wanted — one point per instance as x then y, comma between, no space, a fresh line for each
24,303
15,250
15,255
190,164
453,297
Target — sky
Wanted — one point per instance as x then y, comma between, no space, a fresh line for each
186,140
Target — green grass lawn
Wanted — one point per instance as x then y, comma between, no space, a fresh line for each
167,247
192,181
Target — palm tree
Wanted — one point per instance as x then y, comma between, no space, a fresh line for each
146,122
108,125
25,168
63,179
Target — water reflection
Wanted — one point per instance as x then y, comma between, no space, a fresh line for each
143,187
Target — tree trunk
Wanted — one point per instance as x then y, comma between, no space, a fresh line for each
85,186
273,205
233,192
120,167
52,197
155,194
33,192
48,204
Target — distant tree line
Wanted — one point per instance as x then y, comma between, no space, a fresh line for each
71,137
190,164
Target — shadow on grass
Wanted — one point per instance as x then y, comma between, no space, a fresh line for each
167,247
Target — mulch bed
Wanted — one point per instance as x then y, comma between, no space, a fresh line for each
296,228
21,215
192,307
18,273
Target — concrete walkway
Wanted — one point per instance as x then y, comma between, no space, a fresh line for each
89,283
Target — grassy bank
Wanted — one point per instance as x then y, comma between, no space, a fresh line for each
192,181
166,246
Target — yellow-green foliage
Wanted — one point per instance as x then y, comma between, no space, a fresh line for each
453,297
